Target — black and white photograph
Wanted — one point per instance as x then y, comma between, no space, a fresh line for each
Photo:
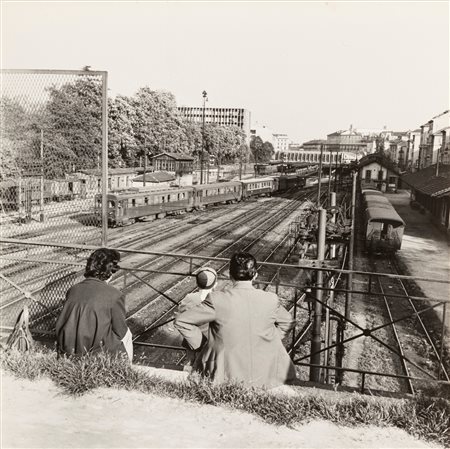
224,224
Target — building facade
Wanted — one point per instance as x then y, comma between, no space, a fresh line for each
435,141
281,142
377,171
239,117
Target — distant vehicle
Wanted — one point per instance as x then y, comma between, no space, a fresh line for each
383,225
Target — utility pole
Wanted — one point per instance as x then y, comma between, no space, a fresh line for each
348,297
145,160
330,166
320,176
41,214
203,136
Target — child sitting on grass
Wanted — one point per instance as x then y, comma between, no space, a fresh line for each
206,278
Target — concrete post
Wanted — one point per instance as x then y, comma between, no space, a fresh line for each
316,341
348,297
333,220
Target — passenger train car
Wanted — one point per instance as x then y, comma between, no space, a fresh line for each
383,226
131,205
28,191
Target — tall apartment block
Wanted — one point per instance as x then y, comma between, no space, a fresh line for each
222,116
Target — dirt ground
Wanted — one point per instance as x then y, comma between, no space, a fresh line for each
38,415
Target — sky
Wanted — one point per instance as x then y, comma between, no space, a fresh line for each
302,68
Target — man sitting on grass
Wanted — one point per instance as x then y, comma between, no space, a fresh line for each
246,327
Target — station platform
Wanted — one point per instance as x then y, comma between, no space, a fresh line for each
425,250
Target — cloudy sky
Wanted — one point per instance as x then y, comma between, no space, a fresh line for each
303,68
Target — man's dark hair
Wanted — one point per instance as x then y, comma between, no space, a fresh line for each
242,267
102,263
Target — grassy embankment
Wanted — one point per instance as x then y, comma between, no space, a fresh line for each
423,417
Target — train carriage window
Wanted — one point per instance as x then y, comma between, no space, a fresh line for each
146,200
168,198
163,199
111,204
133,202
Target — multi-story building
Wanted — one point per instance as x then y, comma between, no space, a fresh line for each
413,149
435,141
441,138
281,142
239,117
350,141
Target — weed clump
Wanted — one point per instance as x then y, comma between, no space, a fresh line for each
422,416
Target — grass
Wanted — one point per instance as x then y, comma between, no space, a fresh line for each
423,417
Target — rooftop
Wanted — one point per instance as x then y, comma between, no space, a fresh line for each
380,159
176,156
426,182
155,177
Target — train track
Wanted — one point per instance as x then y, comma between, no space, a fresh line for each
416,346
140,239
157,328
164,337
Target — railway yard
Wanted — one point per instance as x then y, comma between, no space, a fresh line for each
381,343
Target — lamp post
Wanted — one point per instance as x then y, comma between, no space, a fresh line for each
205,97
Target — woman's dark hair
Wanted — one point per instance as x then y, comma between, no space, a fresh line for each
242,267
102,263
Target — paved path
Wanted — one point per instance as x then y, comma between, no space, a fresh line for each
425,249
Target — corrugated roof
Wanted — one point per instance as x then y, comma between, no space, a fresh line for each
426,182
156,177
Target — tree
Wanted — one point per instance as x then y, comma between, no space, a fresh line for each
262,152
267,152
122,146
72,124
157,126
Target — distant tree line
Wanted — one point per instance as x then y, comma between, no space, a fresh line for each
70,122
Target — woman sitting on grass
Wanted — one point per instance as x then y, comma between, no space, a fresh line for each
93,316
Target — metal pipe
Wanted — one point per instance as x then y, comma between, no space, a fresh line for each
316,341
104,158
348,297
328,333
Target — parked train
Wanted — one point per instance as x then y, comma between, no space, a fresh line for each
383,225
29,191
127,207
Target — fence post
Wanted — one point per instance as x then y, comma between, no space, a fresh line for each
316,341
105,158
295,324
441,351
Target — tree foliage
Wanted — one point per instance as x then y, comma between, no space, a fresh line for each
262,152
147,122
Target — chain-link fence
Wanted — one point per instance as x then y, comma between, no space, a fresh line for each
52,180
